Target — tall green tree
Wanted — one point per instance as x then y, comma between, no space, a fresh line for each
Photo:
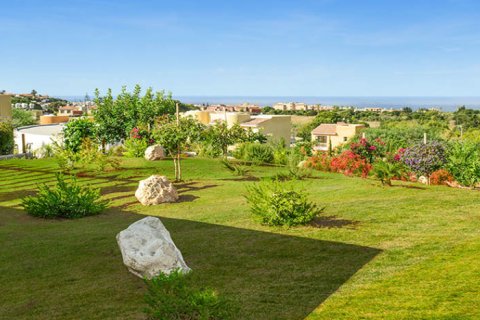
21,118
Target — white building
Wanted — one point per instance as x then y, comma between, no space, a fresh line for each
32,138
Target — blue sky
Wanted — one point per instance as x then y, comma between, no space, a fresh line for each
243,47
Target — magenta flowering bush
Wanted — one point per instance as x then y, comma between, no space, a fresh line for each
425,158
368,150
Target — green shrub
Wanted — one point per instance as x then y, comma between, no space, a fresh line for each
6,138
65,200
463,162
172,297
385,171
277,203
135,148
91,156
76,131
236,168
254,152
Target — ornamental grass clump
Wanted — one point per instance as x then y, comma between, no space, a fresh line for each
66,199
278,203
425,158
173,297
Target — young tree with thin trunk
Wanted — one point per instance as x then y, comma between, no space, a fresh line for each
174,135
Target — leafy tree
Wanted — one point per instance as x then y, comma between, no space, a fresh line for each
116,117
34,92
21,118
220,136
76,131
175,135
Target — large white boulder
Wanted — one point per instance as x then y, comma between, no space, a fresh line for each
155,152
155,190
147,249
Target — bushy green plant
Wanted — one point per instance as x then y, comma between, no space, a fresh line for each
236,168
76,131
463,162
66,159
277,203
294,171
386,171
6,138
91,156
254,152
135,148
67,199
172,297
45,151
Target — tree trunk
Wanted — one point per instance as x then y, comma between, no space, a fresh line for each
175,167
179,170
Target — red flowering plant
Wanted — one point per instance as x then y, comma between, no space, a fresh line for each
321,161
441,177
349,163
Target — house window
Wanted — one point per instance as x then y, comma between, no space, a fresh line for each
322,139
345,139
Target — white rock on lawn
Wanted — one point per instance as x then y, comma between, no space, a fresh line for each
147,249
155,152
423,179
155,190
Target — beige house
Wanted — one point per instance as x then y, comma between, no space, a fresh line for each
276,128
5,107
329,135
69,111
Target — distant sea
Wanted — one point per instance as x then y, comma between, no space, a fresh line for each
443,103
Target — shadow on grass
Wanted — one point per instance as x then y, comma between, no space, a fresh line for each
244,178
192,186
333,222
270,276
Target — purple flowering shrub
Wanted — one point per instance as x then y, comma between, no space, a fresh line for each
425,158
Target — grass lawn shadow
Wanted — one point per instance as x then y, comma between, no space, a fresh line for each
271,276
333,222
76,263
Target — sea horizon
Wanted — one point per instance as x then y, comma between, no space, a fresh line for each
389,102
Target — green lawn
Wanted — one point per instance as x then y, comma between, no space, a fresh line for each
406,252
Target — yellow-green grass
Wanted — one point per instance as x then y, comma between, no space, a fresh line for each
405,252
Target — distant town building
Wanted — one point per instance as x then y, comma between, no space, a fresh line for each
70,111
246,107
299,106
329,135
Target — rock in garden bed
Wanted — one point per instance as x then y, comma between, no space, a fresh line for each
147,249
155,152
155,190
